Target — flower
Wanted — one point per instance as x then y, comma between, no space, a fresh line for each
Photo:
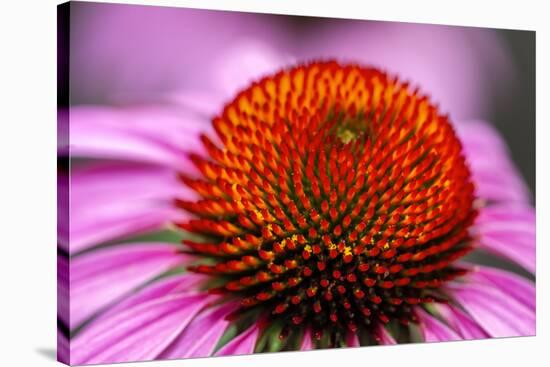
338,200
328,204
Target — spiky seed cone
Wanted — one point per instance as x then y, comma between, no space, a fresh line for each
336,198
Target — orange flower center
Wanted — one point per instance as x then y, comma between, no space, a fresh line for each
337,198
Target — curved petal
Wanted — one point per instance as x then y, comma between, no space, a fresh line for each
130,224
139,333
509,231
174,284
111,201
101,277
433,329
159,135
383,337
243,343
514,285
307,341
202,335
460,322
520,215
498,312
495,176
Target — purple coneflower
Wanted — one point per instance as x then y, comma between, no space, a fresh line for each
327,205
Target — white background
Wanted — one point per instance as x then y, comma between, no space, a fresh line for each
28,181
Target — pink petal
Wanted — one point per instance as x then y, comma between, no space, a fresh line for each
514,285
63,353
501,186
433,329
63,211
133,181
503,213
458,67
139,333
241,64
158,135
245,62
509,231
498,312
495,176
352,340
383,336
101,277
63,284
133,223
116,200
244,343
460,322
188,283
143,48
307,342
202,335
63,131
206,104
510,249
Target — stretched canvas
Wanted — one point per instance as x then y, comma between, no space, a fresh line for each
236,183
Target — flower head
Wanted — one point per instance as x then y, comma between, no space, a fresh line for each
337,199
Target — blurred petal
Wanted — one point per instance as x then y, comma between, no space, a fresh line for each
207,104
118,227
433,329
63,285
460,322
158,135
307,342
514,285
202,335
63,210
157,49
509,231
175,284
352,340
458,67
498,312
63,131
246,62
383,336
495,176
63,352
523,215
103,276
240,65
116,200
139,333
243,343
